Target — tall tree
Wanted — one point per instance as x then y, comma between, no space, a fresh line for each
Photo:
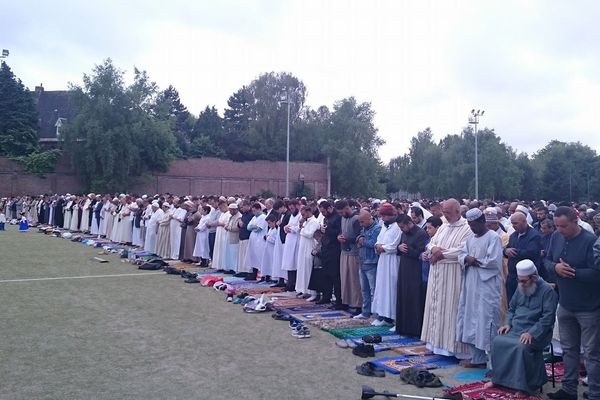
352,144
18,116
115,137
208,134
168,107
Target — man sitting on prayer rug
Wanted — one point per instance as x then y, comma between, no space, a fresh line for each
517,358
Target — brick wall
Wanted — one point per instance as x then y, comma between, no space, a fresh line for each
192,176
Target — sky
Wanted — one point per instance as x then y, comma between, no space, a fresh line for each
533,66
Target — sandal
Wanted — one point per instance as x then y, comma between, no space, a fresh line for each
370,369
372,339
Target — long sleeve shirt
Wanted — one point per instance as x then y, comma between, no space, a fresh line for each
580,293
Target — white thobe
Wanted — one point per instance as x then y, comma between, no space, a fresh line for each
256,244
478,315
201,247
67,215
290,247
178,216
152,230
266,263
305,258
221,240
74,219
85,216
386,281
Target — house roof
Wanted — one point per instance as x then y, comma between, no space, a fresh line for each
52,105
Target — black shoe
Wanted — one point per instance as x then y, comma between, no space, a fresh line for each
364,350
263,279
561,395
250,277
585,395
219,271
241,275
192,280
230,272
339,307
323,301
278,284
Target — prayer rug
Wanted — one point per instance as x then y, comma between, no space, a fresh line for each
350,333
327,325
326,315
307,308
394,342
476,390
255,291
291,302
396,364
559,371
412,350
470,375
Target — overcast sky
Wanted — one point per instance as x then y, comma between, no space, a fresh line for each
533,66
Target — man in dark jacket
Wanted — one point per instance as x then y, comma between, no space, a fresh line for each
525,243
410,304
330,254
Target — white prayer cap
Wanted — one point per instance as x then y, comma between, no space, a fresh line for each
320,201
189,203
166,204
222,198
144,197
552,207
68,194
375,201
115,199
526,268
233,205
303,197
155,204
523,209
122,195
231,199
473,214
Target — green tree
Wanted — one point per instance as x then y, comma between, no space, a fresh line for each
529,178
566,171
169,107
18,116
351,144
116,137
208,134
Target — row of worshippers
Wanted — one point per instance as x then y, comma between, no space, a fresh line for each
457,317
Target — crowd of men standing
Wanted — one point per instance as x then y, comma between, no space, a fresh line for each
477,280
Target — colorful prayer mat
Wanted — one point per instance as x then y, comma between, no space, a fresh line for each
359,332
327,325
321,315
397,363
412,350
476,390
290,302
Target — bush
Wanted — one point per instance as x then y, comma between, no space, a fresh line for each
40,163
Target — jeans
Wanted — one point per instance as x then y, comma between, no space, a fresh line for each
580,330
368,272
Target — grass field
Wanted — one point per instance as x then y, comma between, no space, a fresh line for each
146,335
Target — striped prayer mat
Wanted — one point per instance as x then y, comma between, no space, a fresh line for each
475,390
327,325
417,350
321,315
396,364
291,302
359,332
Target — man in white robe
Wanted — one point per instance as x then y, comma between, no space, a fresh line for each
308,227
479,308
445,283
85,214
386,280
152,227
178,214
256,244
233,240
288,258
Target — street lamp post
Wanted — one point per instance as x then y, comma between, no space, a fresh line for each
287,150
5,53
474,120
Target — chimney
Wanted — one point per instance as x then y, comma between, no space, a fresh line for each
39,90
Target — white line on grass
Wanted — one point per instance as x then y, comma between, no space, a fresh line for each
78,277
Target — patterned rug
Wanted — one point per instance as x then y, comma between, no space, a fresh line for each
475,390
328,324
559,371
417,350
321,315
396,364
291,302
393,342
359,332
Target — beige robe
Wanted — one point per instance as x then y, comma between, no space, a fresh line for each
443,290
163,238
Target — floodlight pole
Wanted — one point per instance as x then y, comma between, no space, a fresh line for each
287,150
474,120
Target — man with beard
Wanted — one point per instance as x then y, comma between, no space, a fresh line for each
517,351
330,254
349,261
478,315
290,247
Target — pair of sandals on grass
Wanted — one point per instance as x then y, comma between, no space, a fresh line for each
299,330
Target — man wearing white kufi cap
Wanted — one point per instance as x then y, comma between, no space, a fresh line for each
152,227
517,351
478,315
